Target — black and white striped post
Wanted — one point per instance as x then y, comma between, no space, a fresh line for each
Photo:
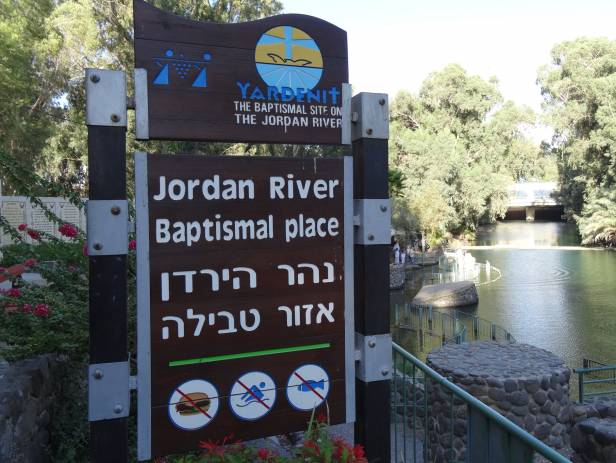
372,213
107,226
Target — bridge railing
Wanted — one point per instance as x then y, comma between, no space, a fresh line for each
489,436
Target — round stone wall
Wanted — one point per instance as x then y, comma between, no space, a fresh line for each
526,384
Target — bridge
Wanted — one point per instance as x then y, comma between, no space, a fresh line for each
533,200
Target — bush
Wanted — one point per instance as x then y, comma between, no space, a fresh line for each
36,320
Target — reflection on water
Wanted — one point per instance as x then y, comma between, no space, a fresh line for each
528,234
563,300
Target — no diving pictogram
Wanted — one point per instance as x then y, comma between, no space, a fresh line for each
252,396
307,387
193,404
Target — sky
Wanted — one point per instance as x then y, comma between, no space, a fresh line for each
395,44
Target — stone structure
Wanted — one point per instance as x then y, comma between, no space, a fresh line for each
26,393
397,275
526,384
593,432
457,294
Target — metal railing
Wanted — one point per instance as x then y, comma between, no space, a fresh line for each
432,328
466,430
596,376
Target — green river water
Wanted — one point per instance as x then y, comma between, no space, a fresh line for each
551,293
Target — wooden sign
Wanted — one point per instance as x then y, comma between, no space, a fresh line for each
245,318
279,79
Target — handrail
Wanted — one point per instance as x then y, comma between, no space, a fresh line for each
426,315
587,371
484,409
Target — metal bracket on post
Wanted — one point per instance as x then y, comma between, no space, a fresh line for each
108,391
106,98
107,227
373,219
370,116
374,352
142,122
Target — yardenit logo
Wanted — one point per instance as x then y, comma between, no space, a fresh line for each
290,63
288,57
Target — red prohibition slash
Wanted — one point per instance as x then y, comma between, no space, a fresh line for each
253,394
189,400
309,386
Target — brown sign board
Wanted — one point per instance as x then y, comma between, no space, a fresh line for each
244,297
281,79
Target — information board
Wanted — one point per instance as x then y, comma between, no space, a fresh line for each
280,79
244,280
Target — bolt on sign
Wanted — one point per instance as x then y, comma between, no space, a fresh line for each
276,80
245,317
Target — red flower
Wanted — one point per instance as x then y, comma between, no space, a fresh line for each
34,234
358,451
14,292
41,310
71,268
22,227
321,418
263,454
68,230
2,270
132,244
30,262
218,447
26,308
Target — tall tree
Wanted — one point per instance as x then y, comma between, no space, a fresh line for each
26,96
579,90
458,147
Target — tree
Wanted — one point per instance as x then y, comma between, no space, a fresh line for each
26,97
597,222
459,147
579,90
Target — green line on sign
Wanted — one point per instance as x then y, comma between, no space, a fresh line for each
244,355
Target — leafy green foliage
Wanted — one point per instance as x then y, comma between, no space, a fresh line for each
458,148
597,222
579,89
25,92
65,329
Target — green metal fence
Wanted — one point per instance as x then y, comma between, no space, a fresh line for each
595,379
421,328
420,434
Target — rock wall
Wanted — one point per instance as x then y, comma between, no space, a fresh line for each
593,432
528,385
26,393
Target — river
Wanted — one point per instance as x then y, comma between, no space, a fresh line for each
552,293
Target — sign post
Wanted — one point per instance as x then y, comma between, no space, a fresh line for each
107,227
372,239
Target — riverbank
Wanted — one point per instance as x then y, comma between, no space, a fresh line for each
549,291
